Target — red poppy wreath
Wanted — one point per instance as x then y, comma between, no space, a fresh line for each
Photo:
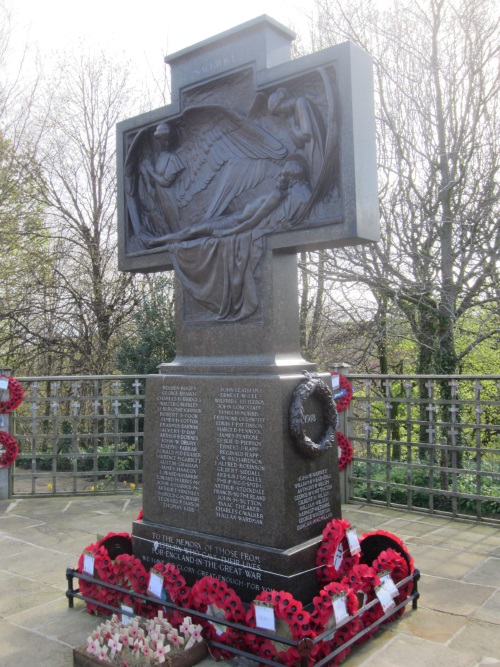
292,622
323,618
16,395
334,556
214,597
345,452
344,393
8,449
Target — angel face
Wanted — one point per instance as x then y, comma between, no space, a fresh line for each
295,170
162,133
280,103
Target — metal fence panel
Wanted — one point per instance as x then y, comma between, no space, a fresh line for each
427,443
79,435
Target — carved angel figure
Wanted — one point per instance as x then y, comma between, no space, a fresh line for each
196,167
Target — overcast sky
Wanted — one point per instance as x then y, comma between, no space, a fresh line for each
144,31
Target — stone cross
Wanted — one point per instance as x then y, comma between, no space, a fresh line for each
257,157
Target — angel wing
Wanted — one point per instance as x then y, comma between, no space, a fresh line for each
222,148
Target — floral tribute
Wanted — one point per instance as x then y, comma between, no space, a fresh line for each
350,581
362,579
323,618
345,450
345,387
8,449
175,587
334,556
16,395
292,622
214,597
142,642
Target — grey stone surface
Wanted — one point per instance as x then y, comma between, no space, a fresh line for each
248,568
338,80
257,157
219,460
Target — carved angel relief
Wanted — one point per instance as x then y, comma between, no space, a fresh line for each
208,186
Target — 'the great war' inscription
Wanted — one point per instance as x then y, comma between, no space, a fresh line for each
239,487
178,479
313,498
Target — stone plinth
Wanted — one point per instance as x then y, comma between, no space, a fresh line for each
220,468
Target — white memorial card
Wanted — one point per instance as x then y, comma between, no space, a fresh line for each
4,384
126,619
352,538
264,616
339,604
335,381
389,584
384,598
155,586
88,564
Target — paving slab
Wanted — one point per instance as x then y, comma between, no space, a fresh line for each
452,597
490,610
478,634
487,574
435,626
440,561
24,648
412,651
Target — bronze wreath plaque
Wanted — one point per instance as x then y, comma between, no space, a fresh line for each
312,385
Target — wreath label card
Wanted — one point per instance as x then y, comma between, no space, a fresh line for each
389,585
217,612
352,538
127,618
155,586
264,616
335,381
337,557
88,563
339,394
339,604
385,598
4,383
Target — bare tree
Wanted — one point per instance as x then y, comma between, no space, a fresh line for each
89,301
436,74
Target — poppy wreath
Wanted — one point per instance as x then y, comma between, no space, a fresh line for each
322,618
214,597
8,449
334,556
176,588
372,544
104,569
292,621
309,386
345,450
363,580
343,402
393,563
16,396
131,574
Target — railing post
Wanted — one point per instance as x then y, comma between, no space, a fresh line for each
5,473
343,427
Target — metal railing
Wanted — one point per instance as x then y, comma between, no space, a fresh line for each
424,443
427,443
79,435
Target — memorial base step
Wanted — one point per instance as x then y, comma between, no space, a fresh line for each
246,567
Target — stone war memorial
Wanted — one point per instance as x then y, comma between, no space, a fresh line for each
258,157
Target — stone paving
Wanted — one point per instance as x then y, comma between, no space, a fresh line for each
457,623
